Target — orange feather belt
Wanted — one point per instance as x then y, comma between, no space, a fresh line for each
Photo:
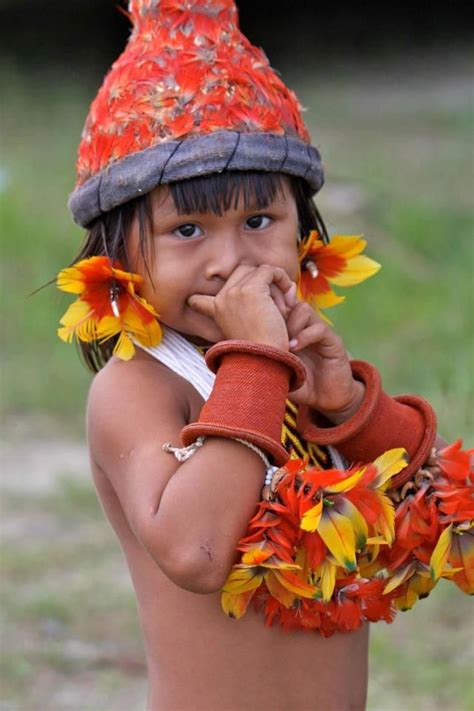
329,549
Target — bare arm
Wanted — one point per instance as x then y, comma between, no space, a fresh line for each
188,516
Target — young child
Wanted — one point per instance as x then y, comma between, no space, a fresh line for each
203,260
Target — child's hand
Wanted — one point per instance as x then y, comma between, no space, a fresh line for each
250,306
329,387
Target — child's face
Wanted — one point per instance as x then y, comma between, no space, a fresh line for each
196,253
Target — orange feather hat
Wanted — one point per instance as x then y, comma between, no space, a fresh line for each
189,96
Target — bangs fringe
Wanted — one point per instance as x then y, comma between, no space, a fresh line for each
220,192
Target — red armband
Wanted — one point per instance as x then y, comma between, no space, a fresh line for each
381,423
249,395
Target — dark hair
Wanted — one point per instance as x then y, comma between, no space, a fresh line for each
107,234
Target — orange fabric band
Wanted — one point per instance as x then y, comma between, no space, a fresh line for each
381,423
249,395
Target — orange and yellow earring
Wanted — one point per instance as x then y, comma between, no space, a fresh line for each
108,305
339,262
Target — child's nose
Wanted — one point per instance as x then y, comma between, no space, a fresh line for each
225,256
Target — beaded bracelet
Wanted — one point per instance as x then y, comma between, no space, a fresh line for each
182,454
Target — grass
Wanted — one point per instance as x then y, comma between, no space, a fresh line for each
395,142
424,659
69,627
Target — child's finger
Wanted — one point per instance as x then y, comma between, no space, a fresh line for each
239,275
203,304
291,297
280,301
264,276
278,277
319,335
301,316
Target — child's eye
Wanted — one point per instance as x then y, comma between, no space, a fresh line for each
188,230
258,222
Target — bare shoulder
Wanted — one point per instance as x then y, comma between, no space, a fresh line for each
132,405
135,383
133,408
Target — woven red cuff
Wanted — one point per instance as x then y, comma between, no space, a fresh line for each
381,423
293,363
249,395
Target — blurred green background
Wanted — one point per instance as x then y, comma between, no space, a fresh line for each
394,124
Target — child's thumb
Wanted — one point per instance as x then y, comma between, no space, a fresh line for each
202,304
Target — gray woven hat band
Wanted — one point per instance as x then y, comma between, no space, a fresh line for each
138,173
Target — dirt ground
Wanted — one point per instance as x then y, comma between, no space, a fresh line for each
58,554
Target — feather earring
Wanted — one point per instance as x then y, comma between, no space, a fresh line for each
340,262
108,305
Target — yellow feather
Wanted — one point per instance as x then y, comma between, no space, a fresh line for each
235,606
406,601
124,348
346,484
386,520
347,246
278,591
326,299
440,554
376,541
358,269
311,518
338,534
71,280
400,577
256,556
388,464
294,584
327,572
242,580
107,327
76,315
359,524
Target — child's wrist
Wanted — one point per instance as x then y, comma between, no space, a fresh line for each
380,423
338,417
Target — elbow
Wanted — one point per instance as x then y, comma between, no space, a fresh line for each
196,581
200,571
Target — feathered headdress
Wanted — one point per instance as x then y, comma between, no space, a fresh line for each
190,95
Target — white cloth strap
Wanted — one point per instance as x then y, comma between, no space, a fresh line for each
183,358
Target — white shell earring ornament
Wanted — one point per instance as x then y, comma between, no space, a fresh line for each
311,267
113,293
